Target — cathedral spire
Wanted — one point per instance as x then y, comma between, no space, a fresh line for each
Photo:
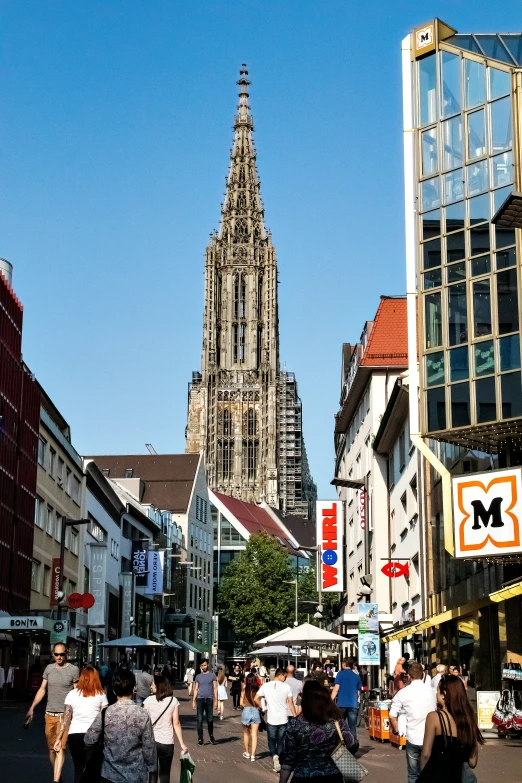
243,116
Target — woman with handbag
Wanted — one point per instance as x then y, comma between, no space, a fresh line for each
125,737
163,708
81,707
451,736
311,739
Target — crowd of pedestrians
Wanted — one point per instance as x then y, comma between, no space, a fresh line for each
121,726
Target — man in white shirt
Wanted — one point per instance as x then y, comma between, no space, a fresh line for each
416,700
279,701
441,671
295,685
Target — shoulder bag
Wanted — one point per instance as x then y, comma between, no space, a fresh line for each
163,713
93,766
349,767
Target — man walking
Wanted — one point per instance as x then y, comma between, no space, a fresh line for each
58,680
415,700
346,690
278,696
296,686
206,700
144,680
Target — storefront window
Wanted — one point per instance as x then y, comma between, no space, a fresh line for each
476,134
486,399
475,81
511,388
484,358
460,408
430,164
507,301
428,89
457,314
481,308
433,317
509,352
459,365
435,368
452,142
451,84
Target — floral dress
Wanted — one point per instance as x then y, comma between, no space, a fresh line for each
308,747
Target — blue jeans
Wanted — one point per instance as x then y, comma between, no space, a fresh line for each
204,707
276,738
413,753
351,713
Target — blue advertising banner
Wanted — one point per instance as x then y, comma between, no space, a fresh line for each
369,649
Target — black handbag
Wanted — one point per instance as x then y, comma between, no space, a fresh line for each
94,755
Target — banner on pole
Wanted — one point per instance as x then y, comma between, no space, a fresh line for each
329,515
126,606
140,551
155,575
97,584
369,649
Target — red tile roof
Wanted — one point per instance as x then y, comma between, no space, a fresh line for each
388,341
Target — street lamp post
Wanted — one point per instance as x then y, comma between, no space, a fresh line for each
294,582
66,522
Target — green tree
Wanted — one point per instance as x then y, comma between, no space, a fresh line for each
307,591
253,593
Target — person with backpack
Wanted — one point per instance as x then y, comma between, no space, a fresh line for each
163,708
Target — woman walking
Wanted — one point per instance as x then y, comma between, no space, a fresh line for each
129,750
250,717
236,678
313,736
163,708
222,693
451,737
82,705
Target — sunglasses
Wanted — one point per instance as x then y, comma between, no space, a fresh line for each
59,655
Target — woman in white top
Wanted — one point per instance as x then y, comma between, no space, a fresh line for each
82,705
222,692
163,708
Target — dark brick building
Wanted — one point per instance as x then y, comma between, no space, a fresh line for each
19,417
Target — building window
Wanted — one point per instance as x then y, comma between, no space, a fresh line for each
191,595
74,542
75,489
35,576
52,461
46,580
68,481
402,450
58,527
413,485
96,530
50,526
42,450
38,513
115,549
60,473
201,509
68,538
86,578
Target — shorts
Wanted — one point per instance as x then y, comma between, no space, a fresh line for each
250,716
52,727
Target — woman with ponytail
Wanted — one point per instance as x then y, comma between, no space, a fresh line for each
451,737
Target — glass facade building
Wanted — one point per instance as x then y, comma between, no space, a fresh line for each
466,96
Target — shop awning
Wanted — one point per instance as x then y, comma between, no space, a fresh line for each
438,619
510,591
166,642
187,646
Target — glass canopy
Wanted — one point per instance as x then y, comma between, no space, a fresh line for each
505,47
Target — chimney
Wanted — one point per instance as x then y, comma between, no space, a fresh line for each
6,268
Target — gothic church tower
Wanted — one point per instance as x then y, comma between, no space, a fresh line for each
232,415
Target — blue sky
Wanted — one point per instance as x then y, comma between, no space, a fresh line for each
115,125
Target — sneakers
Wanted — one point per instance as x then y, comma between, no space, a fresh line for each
213,741
246,755
200,742
277,765
220,717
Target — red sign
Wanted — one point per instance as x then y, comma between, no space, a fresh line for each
394,569
362,508
56,574
78,601
330,543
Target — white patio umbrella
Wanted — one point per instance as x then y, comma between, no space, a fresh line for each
272,638
131,641
308,634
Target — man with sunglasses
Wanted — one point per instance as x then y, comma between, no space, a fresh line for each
58,680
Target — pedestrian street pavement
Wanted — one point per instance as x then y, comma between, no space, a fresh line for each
23,753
